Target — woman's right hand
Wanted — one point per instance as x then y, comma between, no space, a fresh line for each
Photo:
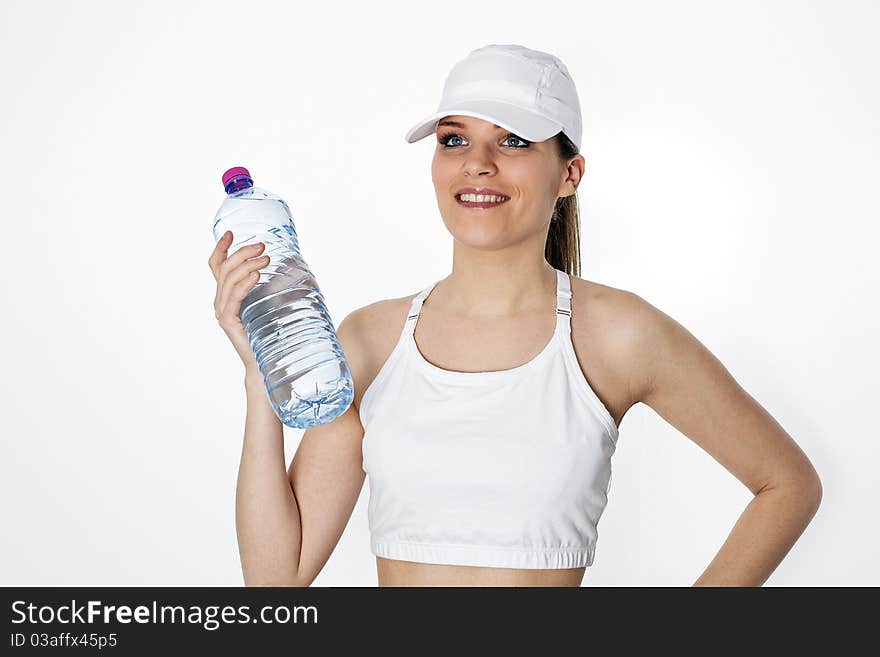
235,276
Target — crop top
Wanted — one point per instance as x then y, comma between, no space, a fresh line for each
506,469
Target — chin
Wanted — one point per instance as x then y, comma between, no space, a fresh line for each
472,232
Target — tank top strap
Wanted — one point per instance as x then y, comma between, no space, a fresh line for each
415,308
563,302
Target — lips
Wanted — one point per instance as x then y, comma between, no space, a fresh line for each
482,191
486,191
481,206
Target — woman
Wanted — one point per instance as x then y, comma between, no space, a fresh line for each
487,427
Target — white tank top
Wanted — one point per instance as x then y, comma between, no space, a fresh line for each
507,469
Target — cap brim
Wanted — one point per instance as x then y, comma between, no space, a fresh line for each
523,123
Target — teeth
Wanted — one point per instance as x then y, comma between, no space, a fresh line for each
480,198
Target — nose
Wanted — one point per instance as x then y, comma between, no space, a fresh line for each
478,161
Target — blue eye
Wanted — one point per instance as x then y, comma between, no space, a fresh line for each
445,139
512,136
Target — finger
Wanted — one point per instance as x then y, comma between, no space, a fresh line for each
245,269
236,293
243,287
244,273
218,255
239,257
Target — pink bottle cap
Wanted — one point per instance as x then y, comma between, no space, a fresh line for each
235,172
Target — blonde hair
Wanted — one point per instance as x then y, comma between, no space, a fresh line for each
563,246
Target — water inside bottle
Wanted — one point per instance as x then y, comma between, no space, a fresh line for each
307,378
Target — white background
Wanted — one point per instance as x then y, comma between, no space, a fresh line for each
732,168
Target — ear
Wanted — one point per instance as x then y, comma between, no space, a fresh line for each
573,174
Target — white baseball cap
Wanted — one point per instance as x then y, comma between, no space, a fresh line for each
526,91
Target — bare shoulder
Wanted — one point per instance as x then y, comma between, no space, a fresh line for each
380,321
620,327
368,335
618,308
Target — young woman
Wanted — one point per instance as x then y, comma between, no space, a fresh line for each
487,406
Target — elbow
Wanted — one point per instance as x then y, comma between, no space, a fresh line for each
805,485
815,488
808,489
811,487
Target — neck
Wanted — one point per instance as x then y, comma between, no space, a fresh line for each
502,283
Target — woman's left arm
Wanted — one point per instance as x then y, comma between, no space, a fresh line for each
678,377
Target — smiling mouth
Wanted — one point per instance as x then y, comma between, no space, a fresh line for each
485,205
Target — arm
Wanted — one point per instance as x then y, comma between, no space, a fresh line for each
687,385
289,522
266,513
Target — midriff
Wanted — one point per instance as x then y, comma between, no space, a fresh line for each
393,572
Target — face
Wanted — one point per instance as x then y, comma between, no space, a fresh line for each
471,152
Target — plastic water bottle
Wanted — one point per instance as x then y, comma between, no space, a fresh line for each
307,378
